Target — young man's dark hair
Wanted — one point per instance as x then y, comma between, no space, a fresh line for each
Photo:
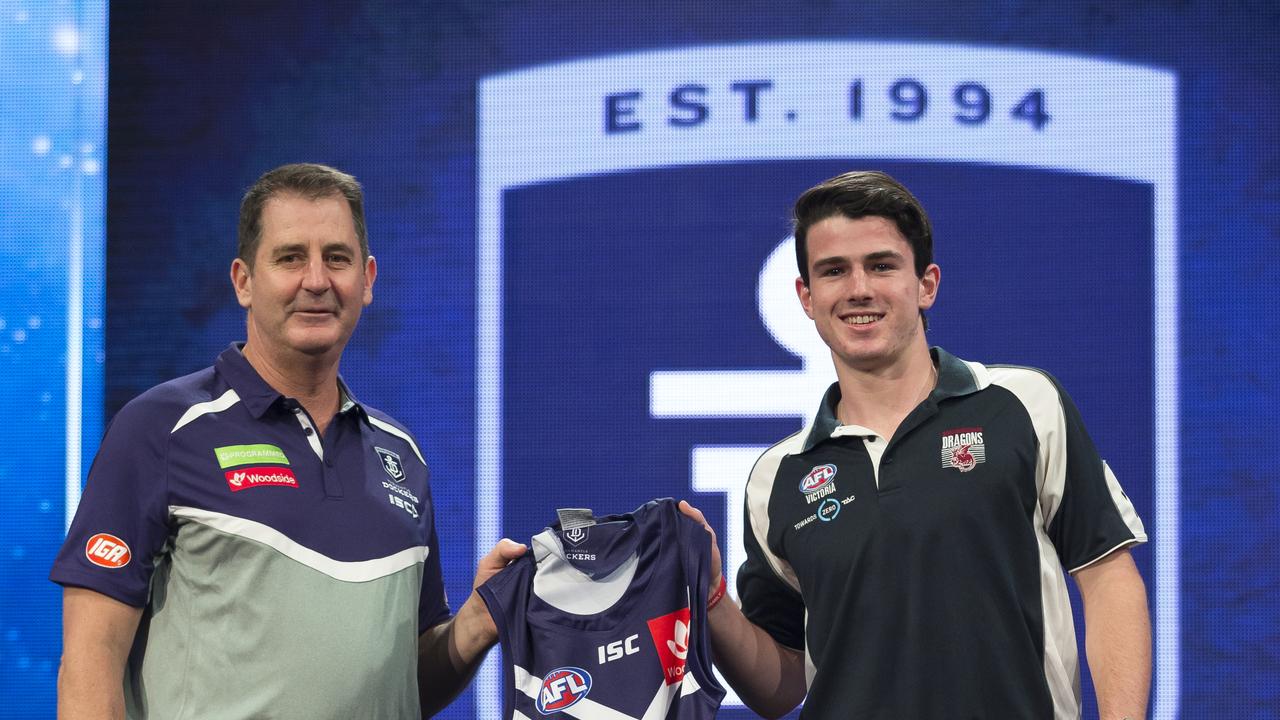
863,193
309,180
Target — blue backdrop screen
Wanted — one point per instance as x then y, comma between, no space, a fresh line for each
585,292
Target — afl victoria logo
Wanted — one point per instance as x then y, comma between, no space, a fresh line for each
817,477
562,688
108,551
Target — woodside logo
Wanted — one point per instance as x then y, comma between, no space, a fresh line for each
108,551
244,478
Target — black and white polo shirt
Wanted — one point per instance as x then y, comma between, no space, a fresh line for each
922,574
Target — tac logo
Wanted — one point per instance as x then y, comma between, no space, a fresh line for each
963,449
239,480
817,478
391,463
108,551
562,688
670,635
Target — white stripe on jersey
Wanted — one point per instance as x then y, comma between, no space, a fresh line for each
759,489
346,571
228,399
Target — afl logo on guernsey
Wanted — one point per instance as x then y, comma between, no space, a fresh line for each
817,478
108,551
562,688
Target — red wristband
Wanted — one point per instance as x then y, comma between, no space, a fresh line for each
718,594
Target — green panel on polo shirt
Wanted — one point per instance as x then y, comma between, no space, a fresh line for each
235,455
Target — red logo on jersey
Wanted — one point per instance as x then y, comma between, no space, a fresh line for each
243,478
561,688
671,638
108,551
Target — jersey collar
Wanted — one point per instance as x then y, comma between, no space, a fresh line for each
956,377
258,397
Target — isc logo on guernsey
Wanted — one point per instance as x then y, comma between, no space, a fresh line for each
561,688
108,551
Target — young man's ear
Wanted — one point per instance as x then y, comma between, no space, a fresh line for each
806,297
929,286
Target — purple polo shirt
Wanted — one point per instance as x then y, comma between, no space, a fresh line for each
278,568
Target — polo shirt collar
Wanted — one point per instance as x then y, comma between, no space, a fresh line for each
258,396
955,378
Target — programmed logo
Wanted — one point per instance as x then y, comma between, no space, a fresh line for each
563,688
679,167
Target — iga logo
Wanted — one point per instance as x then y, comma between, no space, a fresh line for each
670,635
108,551
817,477
562,688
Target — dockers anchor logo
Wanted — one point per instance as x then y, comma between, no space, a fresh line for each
391,463
575,535
963,449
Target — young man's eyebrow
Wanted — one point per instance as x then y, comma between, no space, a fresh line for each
883,255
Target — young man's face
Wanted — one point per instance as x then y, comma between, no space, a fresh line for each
863,294
309,282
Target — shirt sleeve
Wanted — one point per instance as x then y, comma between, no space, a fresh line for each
433,603
767,600
1093,515
121,524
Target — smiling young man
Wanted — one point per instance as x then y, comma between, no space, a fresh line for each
906,549
252,540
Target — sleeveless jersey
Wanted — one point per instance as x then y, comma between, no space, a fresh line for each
609,621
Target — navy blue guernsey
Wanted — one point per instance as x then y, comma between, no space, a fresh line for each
609,621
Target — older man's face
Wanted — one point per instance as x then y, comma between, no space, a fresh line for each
308,283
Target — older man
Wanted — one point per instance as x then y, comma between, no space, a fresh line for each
253,541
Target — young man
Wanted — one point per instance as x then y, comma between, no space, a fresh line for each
252,540
905,549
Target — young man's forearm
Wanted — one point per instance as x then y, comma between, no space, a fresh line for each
769,677
1117,636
